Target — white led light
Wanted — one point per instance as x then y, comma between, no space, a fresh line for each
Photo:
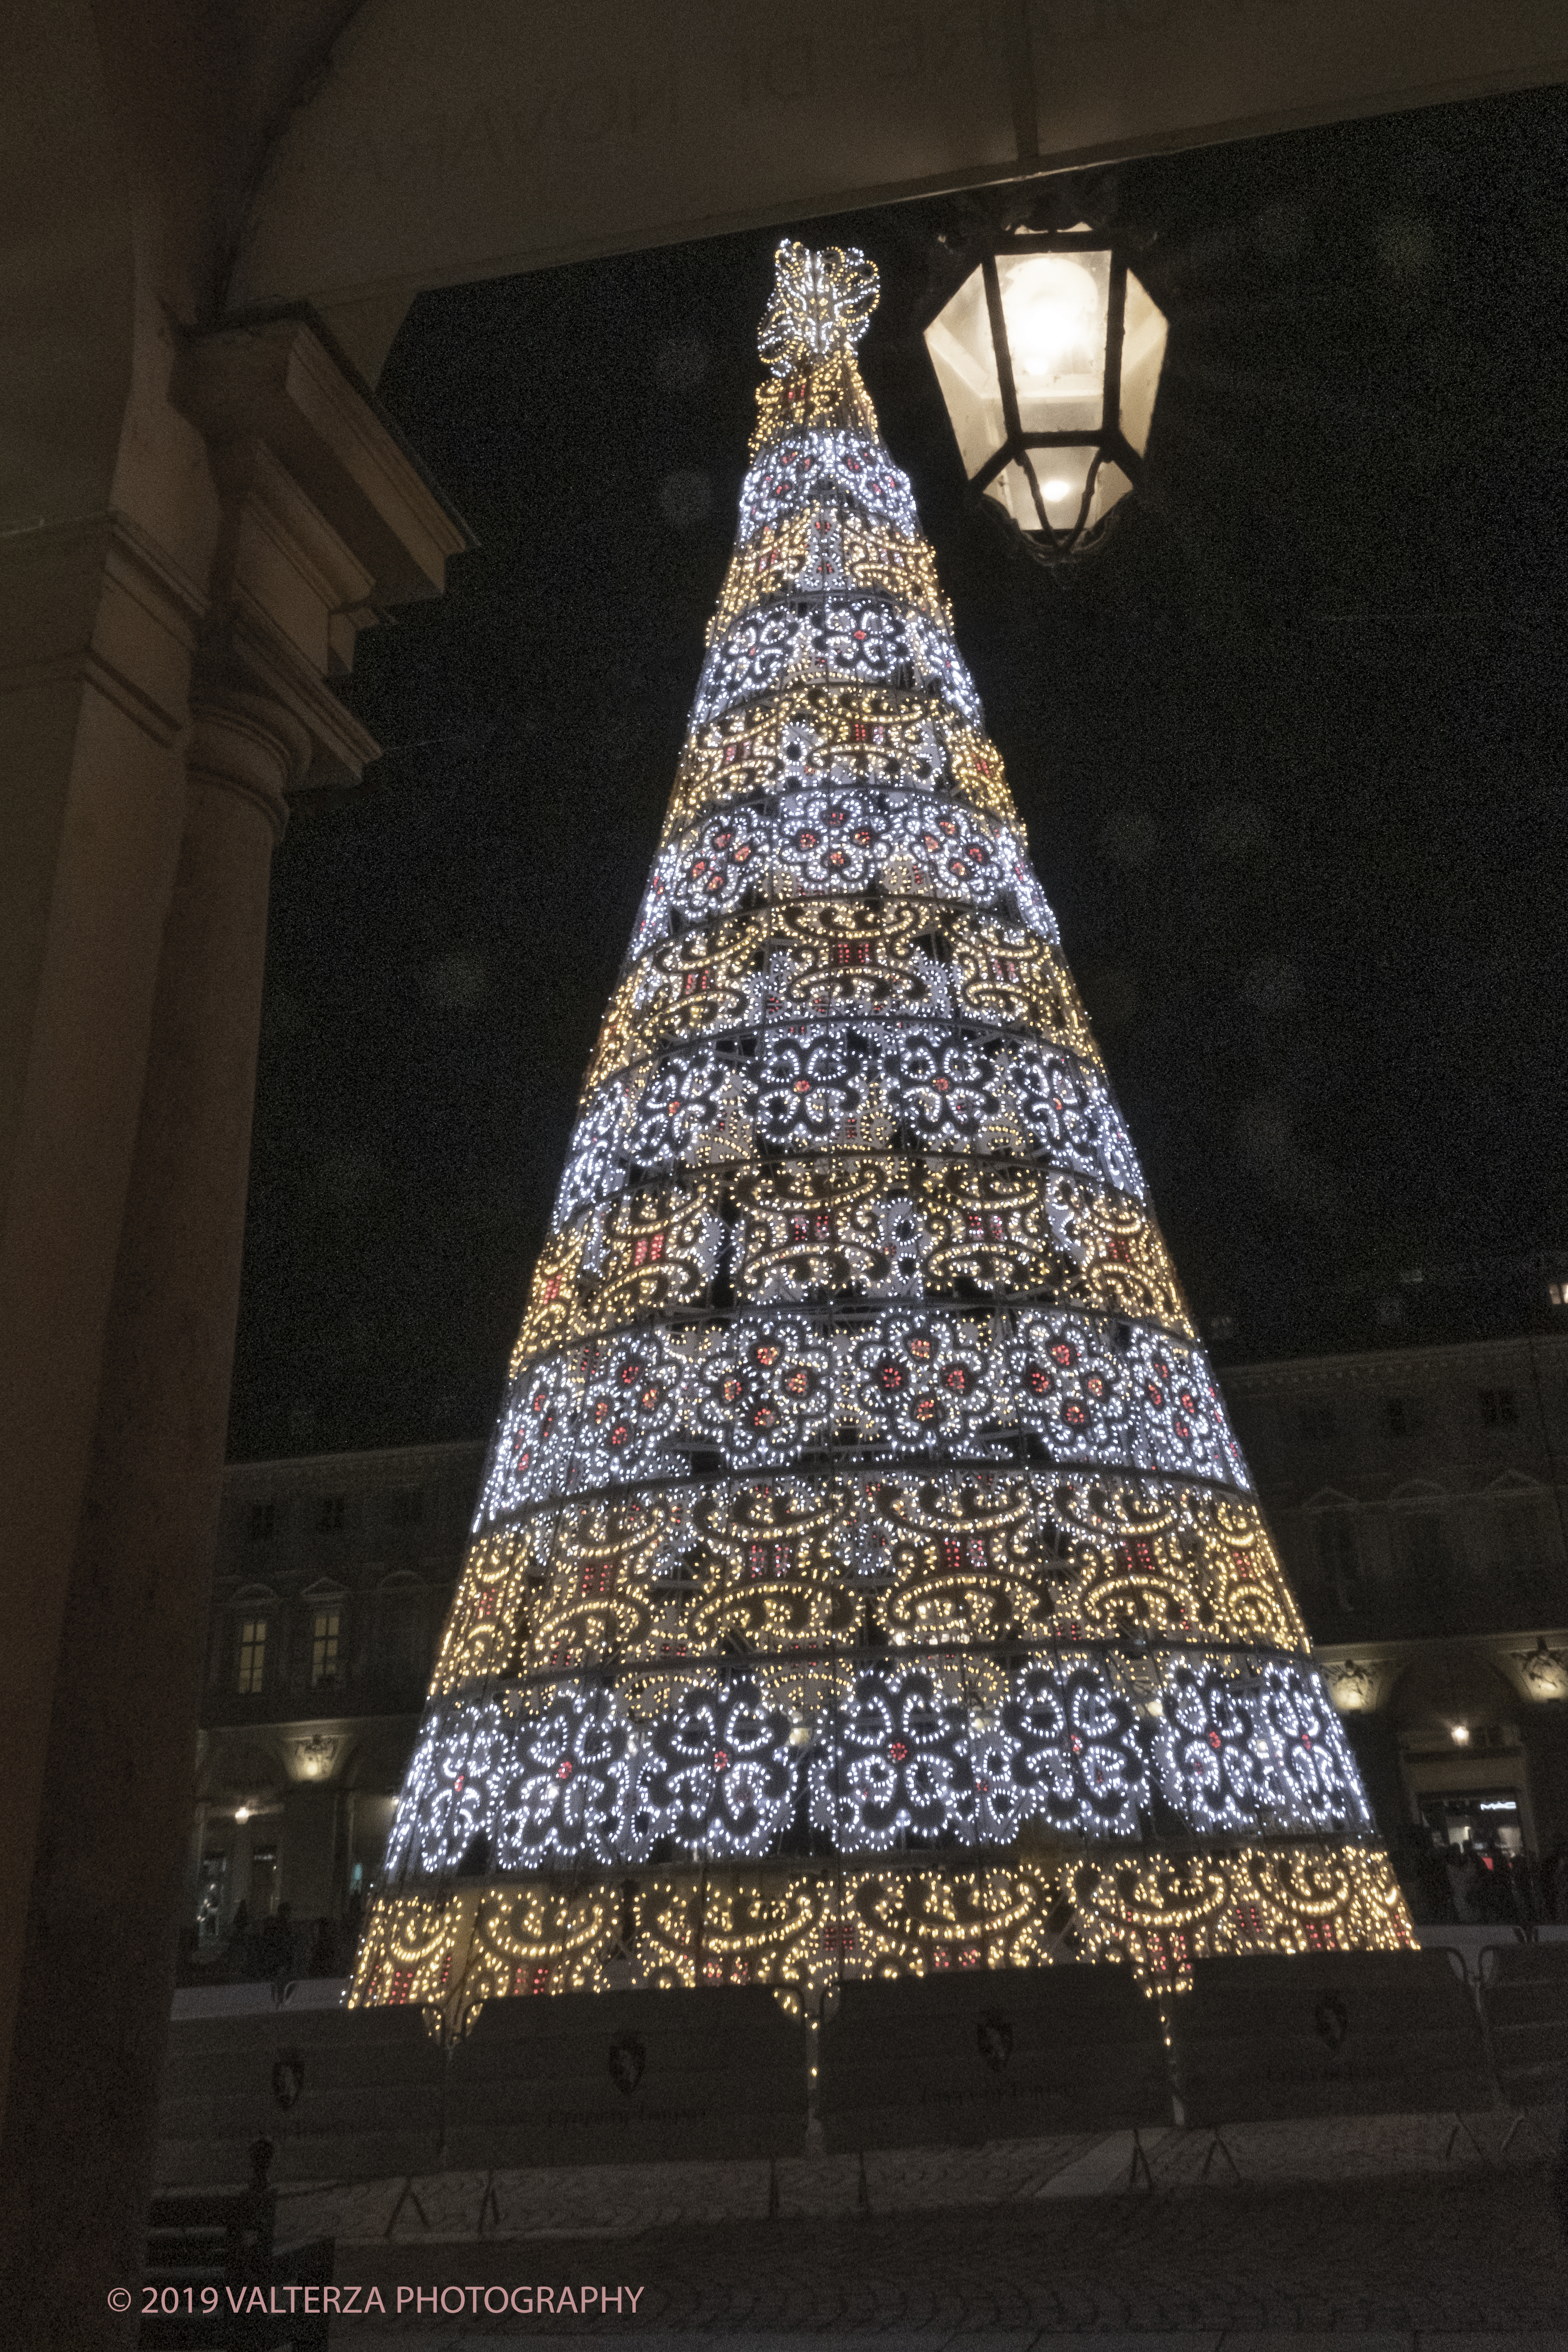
861,1484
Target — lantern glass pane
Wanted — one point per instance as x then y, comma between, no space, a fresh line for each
1061,474
959,341
1011,491
1055,305
1143,356
1111,487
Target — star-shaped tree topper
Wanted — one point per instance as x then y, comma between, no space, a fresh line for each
821,305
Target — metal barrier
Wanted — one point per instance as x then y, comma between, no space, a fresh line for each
627,2078
1007,2054
1523,1992
1276,2038
944,2059
342,2093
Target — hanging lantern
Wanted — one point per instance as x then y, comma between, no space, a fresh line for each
1049,357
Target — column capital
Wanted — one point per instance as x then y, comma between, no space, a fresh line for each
328,518
254,744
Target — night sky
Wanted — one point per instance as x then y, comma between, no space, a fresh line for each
1289,751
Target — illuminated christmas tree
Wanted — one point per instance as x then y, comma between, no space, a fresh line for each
865,1577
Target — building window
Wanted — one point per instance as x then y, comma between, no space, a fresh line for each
263,1522
262,1881
1425,1553
1398,1419
1500,1408
1557,1292
1339,1557
324,1631
252,1656
1512,1529
406,1508
1317,1421
404,1638
330,1517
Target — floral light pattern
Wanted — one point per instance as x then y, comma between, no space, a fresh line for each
863,1517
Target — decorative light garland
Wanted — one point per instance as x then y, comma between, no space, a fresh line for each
865,1577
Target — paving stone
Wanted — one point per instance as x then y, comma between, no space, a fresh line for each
1306,2341
1200,2340
1451,2254
1551,2339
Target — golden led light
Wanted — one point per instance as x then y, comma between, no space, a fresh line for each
862,1521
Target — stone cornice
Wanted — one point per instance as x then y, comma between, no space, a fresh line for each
1384,1368
98,598
328,1472
327,519
277,379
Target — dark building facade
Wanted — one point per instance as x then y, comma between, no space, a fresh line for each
1419,1496
333,1577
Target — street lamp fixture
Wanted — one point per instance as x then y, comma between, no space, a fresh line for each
1048,355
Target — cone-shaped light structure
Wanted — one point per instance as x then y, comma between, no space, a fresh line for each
865,1576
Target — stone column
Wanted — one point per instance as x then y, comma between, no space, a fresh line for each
324,518
103,1918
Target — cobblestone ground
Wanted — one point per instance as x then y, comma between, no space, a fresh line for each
1333,2230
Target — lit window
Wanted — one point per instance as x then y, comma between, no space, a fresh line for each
1500,1408
252,1656
324,1633
263,1522
330,1517
1557,1292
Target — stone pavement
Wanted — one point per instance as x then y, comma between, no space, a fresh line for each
1346,2229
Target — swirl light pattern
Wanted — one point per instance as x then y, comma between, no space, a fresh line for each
864,1521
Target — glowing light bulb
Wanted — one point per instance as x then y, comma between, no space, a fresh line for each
1056,488
1461,1734
1054,312
242,1812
